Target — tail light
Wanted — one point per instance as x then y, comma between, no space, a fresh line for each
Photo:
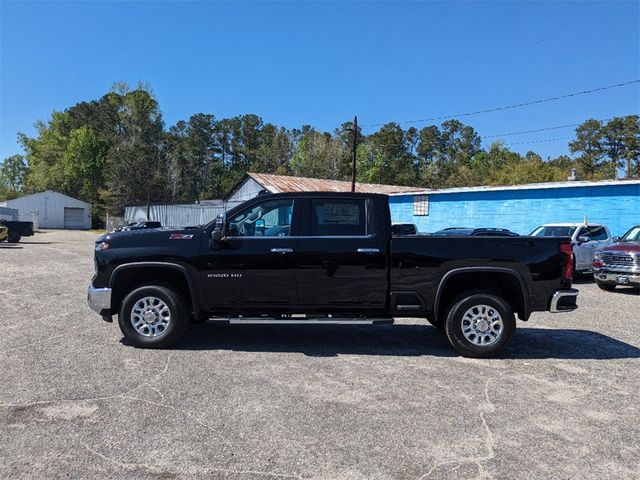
597,260
567,250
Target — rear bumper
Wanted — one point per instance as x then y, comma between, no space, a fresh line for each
99,299
609,276
564,301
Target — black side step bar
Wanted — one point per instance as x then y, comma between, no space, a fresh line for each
302,321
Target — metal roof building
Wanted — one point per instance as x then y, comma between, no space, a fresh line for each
254,183
53,210
521,208
176,215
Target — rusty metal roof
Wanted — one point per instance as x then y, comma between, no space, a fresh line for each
283,184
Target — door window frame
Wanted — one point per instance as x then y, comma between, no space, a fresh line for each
294,228
370,227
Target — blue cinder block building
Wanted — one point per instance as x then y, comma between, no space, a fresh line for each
521,208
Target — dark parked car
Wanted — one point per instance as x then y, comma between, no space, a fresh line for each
138,226
404,229
619,263
17,230
476,232
334,261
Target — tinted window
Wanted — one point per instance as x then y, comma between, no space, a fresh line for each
338,217
267,219
553,231
403,229
597,233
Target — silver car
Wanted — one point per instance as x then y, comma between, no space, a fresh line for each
586,239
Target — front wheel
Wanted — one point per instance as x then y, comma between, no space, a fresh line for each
153,316
609,287
480,325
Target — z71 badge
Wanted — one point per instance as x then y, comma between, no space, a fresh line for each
224,275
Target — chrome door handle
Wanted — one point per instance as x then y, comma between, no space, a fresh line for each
368,250
281,250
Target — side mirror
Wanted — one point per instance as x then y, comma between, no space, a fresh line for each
583,240
617,239
218,233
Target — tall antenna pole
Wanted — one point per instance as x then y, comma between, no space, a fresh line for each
355,149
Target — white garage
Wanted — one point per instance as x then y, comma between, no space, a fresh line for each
53,210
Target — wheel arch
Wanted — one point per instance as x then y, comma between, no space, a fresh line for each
127,276
511,286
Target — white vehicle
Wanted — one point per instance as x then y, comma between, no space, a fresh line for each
586,239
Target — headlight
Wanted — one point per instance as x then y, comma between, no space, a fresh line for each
101,246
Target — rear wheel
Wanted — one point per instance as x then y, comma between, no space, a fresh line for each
13,237
609,287
153,316
480,325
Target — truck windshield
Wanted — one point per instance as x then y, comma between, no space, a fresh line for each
553,232
632,235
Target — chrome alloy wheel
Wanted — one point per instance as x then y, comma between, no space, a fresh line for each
482,325
150,316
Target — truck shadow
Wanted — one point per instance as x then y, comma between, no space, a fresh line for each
396,340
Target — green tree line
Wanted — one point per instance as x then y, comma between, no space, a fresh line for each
117,150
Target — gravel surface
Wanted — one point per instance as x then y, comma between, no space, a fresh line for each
278,402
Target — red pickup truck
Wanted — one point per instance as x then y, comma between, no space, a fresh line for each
619,263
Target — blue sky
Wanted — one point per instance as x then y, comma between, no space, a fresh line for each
321,63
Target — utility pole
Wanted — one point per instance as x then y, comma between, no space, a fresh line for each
355,149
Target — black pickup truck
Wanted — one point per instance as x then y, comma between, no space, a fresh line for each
17,230
326,258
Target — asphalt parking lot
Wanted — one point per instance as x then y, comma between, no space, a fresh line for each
278,402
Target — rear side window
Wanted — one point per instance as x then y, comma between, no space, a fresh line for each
337,217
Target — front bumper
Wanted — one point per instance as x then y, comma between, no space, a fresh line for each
99,299
605,275
564,300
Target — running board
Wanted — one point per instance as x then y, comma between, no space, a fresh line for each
304,321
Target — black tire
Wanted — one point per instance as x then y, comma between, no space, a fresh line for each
609,287
177,324
14,237
456,316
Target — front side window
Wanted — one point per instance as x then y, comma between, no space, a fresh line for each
598,233
337,217
267,219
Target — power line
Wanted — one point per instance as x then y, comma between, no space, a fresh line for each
515,105
541,141
523,132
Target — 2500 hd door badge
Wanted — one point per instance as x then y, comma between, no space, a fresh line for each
224,275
